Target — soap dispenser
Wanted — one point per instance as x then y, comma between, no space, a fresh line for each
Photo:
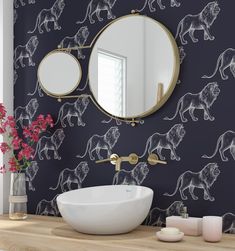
188,225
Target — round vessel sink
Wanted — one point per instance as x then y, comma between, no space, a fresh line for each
105,210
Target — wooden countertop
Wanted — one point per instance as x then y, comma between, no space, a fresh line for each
40,233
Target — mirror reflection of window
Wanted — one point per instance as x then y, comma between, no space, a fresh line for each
112,81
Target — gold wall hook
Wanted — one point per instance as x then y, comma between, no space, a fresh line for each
153,159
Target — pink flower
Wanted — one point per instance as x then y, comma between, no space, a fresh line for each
23,147
2,111
13,169
2,130
4,147
49,120
26,152
27,132
14,133
3,169
11,121
13,165
40,117
16,142
35,137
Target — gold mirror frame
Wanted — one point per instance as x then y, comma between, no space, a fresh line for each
173,81
49,93
132,120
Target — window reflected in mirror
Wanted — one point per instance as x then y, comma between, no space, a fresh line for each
112,81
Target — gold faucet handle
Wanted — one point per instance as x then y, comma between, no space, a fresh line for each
154,160
113,159
132,159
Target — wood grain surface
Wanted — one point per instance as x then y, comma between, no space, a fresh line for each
40,233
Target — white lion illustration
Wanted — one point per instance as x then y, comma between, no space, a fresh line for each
225,142
119,122
22,3
26,52
102,142
174,3
48,207
31,173
202,180
46,16
26,113
95,7
182,54
202,21
52,143
76,109
225,60
199,101
157,216
182,57
37,89
134,177
69,176
78,40
169,140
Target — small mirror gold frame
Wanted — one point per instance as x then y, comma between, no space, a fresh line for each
59,73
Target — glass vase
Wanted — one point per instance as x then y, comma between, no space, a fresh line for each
18,198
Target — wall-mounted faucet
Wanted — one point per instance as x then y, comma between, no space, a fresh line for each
132,159
116,160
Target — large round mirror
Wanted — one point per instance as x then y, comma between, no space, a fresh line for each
59,73
134,67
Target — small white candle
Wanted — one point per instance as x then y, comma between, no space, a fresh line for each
212,228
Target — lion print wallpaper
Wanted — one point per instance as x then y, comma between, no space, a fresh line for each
196,126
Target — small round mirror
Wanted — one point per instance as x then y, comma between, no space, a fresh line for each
133,67
59,73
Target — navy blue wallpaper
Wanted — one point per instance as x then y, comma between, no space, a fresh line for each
194,131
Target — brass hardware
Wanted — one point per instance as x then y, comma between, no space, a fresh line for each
153,159
113,159
116,160
132,159
135,12
160,92
130,120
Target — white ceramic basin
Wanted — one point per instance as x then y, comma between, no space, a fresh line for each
105,209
